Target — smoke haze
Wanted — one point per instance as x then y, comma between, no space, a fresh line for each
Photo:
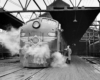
58,60
10,40
41,52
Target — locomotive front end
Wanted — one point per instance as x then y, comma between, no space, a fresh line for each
38,40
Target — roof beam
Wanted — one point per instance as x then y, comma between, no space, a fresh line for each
37,4
45,3
14,3
21,4
79,3
21,17
68,9
5,4
75,3
27,4
71,3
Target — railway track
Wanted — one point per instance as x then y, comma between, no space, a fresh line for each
79,69
12,70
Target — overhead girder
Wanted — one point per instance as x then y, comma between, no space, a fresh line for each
24,9
45,3
68,9
75,3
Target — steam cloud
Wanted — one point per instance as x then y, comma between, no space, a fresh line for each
58,60
41,52
11,40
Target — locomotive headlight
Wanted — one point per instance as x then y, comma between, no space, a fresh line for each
36,24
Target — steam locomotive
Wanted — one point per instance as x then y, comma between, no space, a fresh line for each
36,32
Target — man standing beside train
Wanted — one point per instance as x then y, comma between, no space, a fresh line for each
68,53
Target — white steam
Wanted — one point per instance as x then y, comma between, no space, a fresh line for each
58,60
41,52
10,39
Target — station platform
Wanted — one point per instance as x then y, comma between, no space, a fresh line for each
79,69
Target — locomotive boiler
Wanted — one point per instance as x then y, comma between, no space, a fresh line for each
39,38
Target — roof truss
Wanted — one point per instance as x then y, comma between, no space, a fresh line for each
20,7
